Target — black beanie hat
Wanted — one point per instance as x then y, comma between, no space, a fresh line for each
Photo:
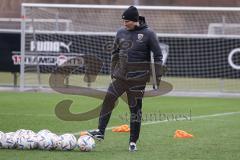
131,14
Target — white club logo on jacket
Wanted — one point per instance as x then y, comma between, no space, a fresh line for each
140,37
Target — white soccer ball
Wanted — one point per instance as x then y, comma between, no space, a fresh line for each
67,142
45,142
26,139
1,136
44,131
21,132
8,140
29,141
54,138
86,143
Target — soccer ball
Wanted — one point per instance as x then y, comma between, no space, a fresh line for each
22,132
25,139
67,142
29,141
47,140
44,142
86,143
44,131
54,138
1,136
8,140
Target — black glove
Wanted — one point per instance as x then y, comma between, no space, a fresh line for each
112,76
160,71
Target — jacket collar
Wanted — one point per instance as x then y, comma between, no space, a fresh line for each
142,24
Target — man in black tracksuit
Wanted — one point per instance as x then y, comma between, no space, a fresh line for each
130,71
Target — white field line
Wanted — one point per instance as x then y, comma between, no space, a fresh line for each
179,119
27,115
143,124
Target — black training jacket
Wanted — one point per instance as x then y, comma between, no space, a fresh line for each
131,55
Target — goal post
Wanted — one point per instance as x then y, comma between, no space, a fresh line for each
199,41
22,53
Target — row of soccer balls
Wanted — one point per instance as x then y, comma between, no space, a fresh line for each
45,140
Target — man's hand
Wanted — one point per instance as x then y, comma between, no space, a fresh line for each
162,70
112,76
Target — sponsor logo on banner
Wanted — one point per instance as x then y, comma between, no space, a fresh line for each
230,58
50,46
61,60
49,60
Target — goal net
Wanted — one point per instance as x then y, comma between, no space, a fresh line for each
78,39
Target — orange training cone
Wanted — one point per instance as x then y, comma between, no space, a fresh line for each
122,128
83,133
182,134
